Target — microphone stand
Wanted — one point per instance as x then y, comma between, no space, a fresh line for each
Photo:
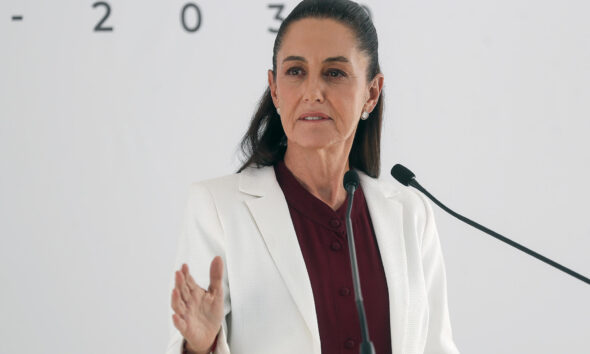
408,178
351,184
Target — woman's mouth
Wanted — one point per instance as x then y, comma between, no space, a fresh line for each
314,117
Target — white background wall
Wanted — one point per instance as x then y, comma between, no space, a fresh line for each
102,132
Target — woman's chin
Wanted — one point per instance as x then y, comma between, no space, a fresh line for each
313,142
322,137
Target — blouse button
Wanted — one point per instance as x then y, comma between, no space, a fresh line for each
334,223
349,344
335,246
344,291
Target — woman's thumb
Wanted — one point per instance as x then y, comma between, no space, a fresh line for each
216,276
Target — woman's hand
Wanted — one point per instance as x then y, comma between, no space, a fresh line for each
198,312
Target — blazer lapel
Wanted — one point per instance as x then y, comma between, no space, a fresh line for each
271,214
387,218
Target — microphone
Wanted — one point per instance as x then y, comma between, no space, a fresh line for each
351,183
402,174
407,178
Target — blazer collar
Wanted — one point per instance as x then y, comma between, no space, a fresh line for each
271,214
387,219
258,182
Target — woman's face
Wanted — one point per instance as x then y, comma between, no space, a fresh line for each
321,84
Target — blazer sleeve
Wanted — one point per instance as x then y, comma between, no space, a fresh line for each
439,338
201,239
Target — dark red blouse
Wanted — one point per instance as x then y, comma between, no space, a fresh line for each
322,237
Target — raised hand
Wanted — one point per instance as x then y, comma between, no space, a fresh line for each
198,312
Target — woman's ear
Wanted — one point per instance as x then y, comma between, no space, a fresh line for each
375,87
272,85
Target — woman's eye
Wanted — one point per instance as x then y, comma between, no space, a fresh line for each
294,71
334,73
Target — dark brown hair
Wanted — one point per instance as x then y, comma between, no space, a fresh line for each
265,142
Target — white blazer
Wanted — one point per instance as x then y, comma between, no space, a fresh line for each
269,304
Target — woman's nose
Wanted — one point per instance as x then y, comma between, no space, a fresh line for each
314,91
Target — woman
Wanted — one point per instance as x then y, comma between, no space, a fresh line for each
270,241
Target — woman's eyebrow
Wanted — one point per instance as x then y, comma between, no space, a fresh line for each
294,58
340,58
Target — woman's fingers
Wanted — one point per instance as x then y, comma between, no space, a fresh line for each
186,284
195,316
216,276
178,304
186,291
186,274
177,283
192,284
179,323
182,286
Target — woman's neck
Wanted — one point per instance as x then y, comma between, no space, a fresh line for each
320,172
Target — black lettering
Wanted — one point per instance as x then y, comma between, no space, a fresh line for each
195,27
99,26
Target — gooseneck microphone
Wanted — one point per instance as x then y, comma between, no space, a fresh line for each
407,178
351,183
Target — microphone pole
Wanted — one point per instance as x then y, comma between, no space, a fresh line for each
407,178
351,183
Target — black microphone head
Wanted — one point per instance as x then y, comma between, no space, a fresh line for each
402,174
351,179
